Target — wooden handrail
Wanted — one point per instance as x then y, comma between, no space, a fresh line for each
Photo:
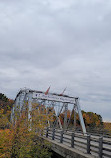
90,141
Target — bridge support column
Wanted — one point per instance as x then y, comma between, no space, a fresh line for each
65,115
74,118
29,109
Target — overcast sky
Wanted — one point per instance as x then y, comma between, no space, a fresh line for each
62,43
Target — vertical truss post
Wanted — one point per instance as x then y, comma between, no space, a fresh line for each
52,112
15,109
70,115
80,115
29,109
47,121
74,118
21,102
65,115
24,103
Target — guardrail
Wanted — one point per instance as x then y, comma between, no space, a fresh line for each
99,146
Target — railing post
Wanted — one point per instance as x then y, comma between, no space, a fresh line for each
88,144
53,133
72,140
47,132
61,138
100,146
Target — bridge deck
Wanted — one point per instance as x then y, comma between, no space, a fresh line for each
66,151
91,145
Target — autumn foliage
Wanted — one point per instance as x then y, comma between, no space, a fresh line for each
6,137
107,127
21,140
91,119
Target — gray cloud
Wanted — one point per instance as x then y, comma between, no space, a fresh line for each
59,43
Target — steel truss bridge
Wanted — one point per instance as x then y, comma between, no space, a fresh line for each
49,102
91,144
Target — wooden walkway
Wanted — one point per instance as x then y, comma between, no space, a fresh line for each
97,146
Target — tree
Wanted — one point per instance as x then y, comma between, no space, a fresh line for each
26,140
3,97
19,141
92,119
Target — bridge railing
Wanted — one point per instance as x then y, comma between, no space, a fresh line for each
95,145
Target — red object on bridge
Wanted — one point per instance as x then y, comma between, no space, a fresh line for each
47,91
62,92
